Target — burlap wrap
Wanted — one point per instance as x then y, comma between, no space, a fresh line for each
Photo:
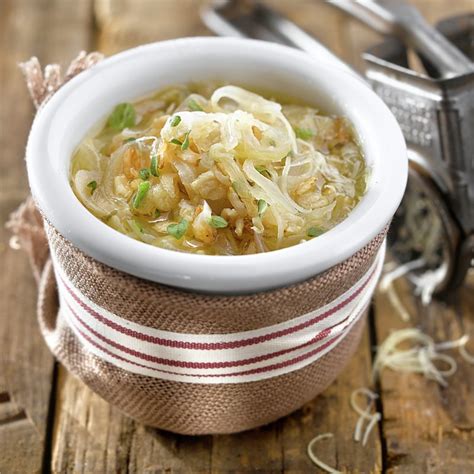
189,408
177,406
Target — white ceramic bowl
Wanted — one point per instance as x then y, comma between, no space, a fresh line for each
63,122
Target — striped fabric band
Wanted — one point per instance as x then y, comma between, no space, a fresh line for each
215,358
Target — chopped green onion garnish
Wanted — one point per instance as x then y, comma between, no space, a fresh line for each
92,186
154,165
178,230
123,116
157,213
314,232
128,140
143,189
217,222
144,174
263,171
185,144
194,106
175,141
175,121
303,133
262,207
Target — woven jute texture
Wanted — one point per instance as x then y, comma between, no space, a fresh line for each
169,309
177,406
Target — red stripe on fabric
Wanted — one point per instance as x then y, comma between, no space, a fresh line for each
248,372
103,349
218,345
201,365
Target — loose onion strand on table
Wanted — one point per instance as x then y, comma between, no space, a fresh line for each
417,359
365,416
274,175
421,357
317,462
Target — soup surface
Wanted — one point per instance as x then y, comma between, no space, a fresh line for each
219,171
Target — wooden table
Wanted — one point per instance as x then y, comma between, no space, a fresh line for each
51,421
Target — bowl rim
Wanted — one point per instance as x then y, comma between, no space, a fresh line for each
225,274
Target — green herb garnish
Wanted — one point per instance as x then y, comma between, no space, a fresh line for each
185,144
154,165
262,207
263,171
144,174
175,141
303,133
175,121
194,106
217,222
92,186
128,140
142,191
178,230
157,213
314,232
123,116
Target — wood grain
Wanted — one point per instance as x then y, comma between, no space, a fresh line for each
426,427
52,31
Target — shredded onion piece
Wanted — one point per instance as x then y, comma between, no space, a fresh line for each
462,341
315,459
397,302
399,271
373,421
425,283
465,355
459,343
364,414
418,359
236,141
14,242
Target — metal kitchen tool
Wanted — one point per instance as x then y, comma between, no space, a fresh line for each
247,18
398,18
436,116
437,119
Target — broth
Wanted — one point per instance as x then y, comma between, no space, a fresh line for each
219,171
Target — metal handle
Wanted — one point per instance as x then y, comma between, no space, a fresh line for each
403,20
264,23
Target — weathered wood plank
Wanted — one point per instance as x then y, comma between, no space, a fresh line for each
50,30
91,436
331,412
125,23
428,427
